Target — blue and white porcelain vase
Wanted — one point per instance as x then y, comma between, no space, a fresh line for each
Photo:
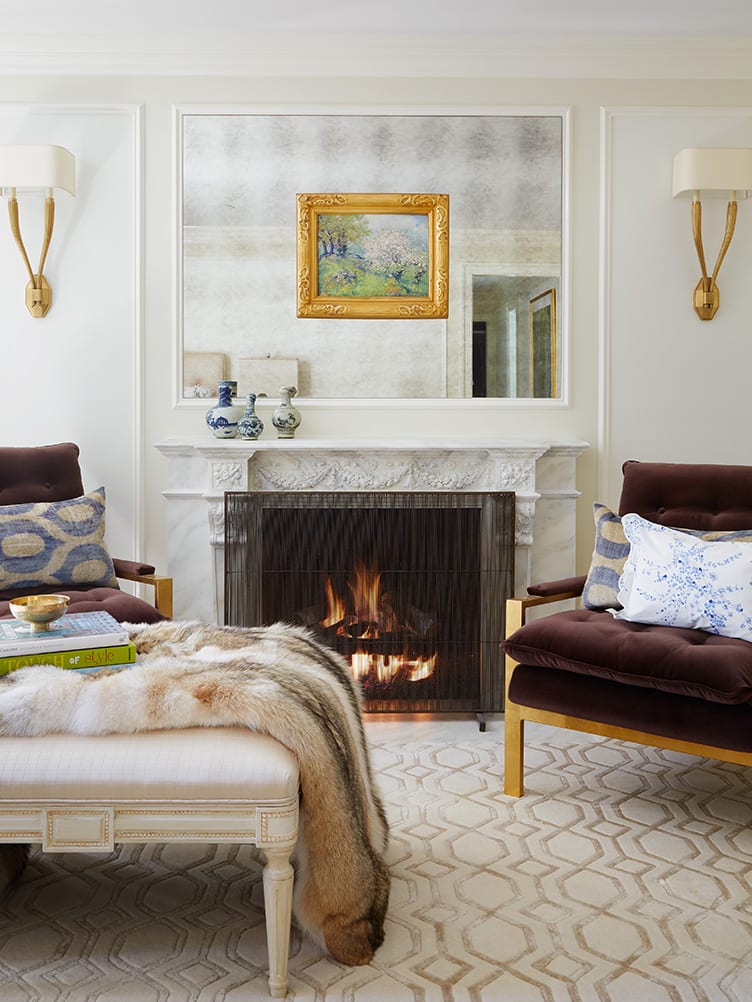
286,417
223,418
250,425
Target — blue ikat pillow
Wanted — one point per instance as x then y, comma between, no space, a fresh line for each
55,544
672,578
607,563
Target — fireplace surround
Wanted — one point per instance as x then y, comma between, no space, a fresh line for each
408,587
200,469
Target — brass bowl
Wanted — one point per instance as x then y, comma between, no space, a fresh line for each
39,610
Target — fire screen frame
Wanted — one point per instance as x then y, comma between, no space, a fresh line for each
243,578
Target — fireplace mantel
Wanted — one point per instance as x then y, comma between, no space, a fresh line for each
200,470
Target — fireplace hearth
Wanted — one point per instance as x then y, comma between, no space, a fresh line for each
409,588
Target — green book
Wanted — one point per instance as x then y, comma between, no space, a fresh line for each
88,657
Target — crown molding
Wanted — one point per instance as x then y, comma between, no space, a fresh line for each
439,55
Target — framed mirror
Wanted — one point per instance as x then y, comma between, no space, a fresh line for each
240,172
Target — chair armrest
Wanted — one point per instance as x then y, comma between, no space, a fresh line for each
130,570
545,588
125,567
517,607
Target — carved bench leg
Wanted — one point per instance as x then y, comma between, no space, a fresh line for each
278,877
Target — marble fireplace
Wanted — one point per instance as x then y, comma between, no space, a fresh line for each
541,473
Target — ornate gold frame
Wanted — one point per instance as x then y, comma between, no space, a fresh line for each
433,306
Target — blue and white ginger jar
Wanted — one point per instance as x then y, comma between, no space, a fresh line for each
286,417
250,425
223,418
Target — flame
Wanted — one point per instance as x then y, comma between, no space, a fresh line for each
373,616
335,607
369,605
365,590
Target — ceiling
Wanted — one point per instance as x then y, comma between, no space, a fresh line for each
200,18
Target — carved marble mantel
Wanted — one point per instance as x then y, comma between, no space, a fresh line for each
541,473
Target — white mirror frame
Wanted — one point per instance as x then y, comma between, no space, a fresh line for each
493,403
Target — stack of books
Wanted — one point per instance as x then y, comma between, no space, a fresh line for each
84,641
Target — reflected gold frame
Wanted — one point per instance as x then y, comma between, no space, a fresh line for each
547,298
433,306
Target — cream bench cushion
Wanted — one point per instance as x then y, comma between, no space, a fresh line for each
77,793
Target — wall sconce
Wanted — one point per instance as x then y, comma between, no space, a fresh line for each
716,173
36,169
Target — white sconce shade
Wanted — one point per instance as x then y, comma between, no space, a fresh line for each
36,169
715,172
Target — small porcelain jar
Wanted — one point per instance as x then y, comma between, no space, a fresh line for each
286,417
223,418
250,425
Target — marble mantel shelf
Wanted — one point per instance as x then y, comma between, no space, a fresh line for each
203,443
200,470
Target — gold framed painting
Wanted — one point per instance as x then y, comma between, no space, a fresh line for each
543,360
377,256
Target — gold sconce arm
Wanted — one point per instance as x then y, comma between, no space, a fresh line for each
731,210
49,222
15,229
38,291
697,235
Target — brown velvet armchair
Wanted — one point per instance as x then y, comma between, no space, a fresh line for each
666,686
51,473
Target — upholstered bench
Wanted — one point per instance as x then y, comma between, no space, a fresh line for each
216,784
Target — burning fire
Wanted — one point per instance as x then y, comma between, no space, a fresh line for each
386,666
370,616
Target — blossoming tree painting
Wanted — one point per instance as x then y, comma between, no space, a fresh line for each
373,255
377,255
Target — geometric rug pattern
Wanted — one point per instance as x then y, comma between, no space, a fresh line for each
623,875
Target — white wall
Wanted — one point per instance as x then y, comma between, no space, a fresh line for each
677,387
653,314
74,374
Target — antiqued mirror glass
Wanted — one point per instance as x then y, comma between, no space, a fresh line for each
240,175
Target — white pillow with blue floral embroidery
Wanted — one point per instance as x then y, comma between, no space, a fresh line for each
673,579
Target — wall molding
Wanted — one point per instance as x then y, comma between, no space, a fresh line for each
436,54
65,335
695,336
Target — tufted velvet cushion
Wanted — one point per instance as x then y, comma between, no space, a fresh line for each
681,717
674,660
39,473
688,495
125,608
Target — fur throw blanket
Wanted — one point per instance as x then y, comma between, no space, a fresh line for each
276,680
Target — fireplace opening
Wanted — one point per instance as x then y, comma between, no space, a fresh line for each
408,588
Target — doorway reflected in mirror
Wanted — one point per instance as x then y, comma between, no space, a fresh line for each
515,336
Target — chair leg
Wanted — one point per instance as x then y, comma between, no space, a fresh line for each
278,880
514,750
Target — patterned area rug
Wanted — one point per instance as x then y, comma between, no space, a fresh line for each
623,875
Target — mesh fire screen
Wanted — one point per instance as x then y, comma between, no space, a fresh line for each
409,588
